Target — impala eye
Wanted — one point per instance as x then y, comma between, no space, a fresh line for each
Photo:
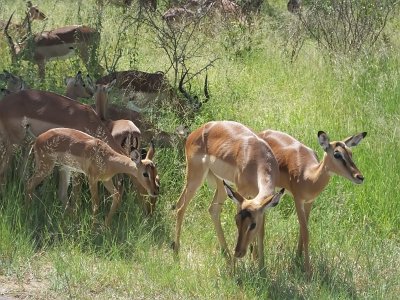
146,174
337,155
252,226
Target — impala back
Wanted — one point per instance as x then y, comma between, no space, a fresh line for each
45,110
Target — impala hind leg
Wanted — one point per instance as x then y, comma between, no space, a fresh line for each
94,192
6,152
194,180
215,212
63,183
42,170
304,237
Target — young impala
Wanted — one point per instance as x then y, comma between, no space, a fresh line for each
78,151
229,151
305,177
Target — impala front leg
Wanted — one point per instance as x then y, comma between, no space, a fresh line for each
94,191
215,212
260,247
5,154
42,68
116,200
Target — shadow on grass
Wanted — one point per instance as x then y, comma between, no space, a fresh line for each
292,282
46,223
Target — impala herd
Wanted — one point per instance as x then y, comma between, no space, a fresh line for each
104,140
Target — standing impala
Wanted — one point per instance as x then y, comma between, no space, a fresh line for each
305,177
32,13
78,151
224,150
57,43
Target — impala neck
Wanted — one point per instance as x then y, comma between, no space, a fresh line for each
319,174
123,164
266,187
71,94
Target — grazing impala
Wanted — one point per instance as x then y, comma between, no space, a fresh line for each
57,43
224,150
78,151
43,111
305,177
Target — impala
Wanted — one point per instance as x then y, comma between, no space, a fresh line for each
305,177
294,6
76,87
43,111
57,43
78,151
142,87
32,13
142,91
229,151
14,83
124,132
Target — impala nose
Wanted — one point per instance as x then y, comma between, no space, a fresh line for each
360,177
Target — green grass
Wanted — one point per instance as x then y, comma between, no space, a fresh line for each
355,244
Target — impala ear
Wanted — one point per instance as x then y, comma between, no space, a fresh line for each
355,139
135,156
273,200
110,85
67,80
89,81
236,197
150,153
323,140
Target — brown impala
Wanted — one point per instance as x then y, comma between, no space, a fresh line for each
32,13
78,151
305,177
229,151
57,43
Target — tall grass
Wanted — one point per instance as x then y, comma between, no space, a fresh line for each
354,229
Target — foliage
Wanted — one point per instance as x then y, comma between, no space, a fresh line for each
346,26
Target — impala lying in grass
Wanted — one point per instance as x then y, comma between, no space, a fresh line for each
230,151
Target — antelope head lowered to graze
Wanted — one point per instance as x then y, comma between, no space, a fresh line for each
57,43
225,150
78,151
